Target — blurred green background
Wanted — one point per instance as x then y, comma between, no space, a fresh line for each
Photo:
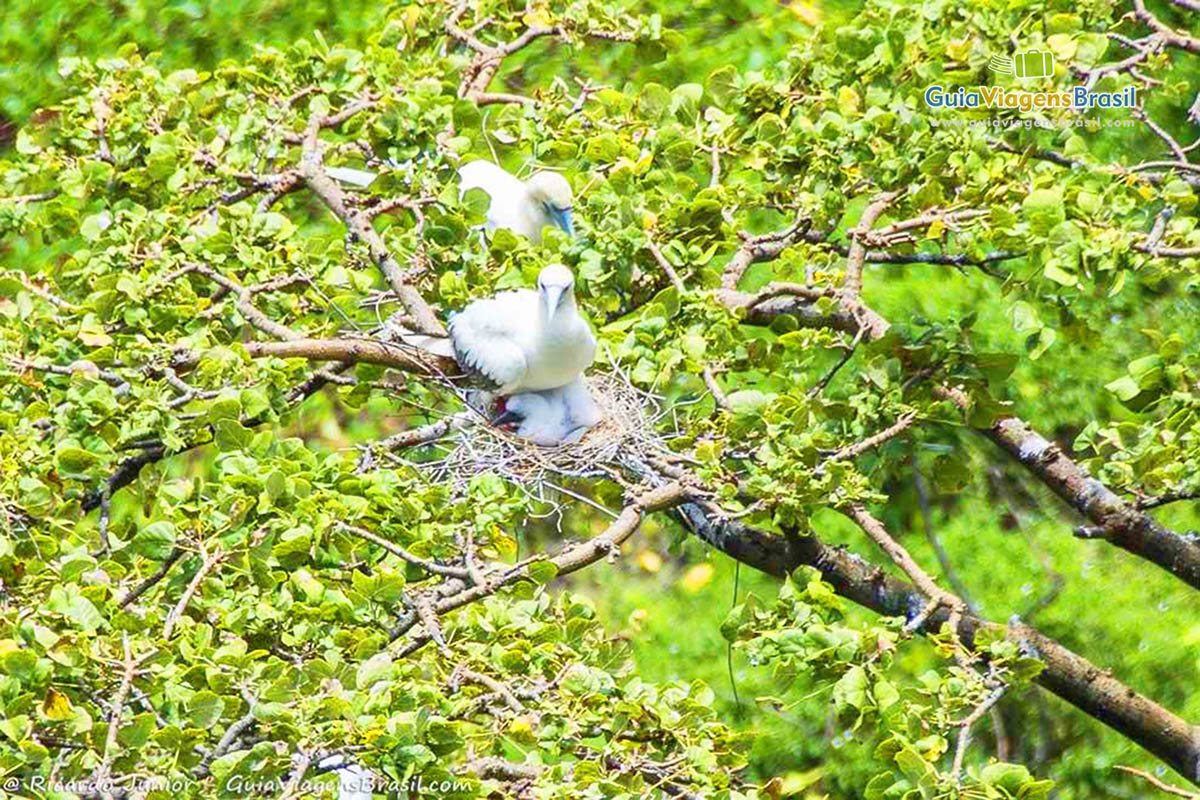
1005,539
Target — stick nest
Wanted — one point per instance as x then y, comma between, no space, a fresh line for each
627,430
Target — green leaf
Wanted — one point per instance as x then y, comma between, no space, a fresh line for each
1125,388
377,668
19,663
851,690
205,708
723,85
137,731
1044,209
750,402
95,225
654,100
1010,777
231,435
885,694
542,571
73,462
155,541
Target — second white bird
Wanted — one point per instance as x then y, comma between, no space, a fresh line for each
524,207
554,416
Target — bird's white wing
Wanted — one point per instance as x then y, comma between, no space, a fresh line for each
494,180
355,177
510,206
491,337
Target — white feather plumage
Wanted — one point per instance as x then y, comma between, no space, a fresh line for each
525,340
523,207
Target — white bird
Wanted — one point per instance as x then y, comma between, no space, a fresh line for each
355,177
542,415
553,416
581,410
525,340
524,207
354,781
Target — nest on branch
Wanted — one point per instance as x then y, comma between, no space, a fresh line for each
470,446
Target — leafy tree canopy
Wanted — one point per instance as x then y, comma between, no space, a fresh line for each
244,525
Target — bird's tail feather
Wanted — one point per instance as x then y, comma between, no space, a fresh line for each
437,345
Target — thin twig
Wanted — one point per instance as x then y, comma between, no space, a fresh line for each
1158,784
130,665
210,561
666,266
964,733
871,442
158,575
398,551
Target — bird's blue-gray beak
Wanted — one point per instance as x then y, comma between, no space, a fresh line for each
562,218
553,295
505,417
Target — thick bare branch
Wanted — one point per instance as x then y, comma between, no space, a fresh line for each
764,247
1073,678
462,673
354,351
858,240
359,226
149,583
1117,520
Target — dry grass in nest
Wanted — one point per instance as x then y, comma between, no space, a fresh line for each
627,431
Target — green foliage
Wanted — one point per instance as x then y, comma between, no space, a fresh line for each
803,634
152,188
36,37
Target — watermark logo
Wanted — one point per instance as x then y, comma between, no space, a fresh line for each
1029,64
1026,65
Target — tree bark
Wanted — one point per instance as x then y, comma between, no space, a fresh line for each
1117,520
1068,675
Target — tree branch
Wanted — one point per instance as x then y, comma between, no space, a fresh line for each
432,567
1117,521
858,241
571,559
1169,36
210,561
1070,676
358,224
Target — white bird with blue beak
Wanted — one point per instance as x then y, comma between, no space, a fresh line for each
523,207
525,340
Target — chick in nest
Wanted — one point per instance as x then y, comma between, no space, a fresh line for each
550,417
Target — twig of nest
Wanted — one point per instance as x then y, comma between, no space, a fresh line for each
626,430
